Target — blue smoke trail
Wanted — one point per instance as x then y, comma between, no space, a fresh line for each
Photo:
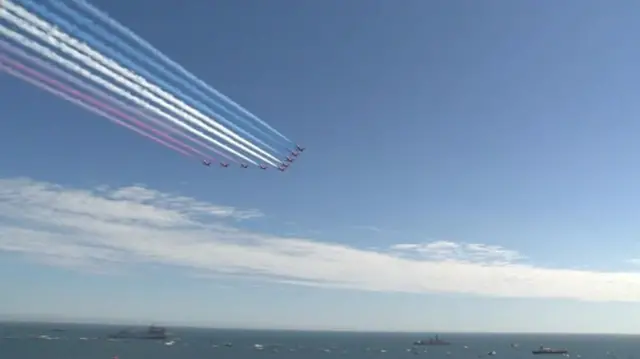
141,57
42,11
104,17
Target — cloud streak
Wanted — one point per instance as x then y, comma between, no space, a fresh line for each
368,228
465,252
87,228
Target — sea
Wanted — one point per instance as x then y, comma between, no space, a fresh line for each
73,341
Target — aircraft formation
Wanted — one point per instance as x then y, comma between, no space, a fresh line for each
79,53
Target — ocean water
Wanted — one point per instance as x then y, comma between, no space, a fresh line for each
64,341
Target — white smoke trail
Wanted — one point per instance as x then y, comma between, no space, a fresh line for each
202,120
50,38
87,87
88,107
47,53
117,26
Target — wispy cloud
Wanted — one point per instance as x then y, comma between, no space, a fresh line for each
464,252
368,228
88,229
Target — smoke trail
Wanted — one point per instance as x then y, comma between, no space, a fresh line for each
43,51
105,18
95,91
42,11
78,102
122,59
101,94
112,65
107,67
92,102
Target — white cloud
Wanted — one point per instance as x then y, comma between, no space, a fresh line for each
95,228
464,252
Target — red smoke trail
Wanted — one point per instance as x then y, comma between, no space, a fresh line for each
104,107
40,82
106,97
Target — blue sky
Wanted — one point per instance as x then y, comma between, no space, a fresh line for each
508,125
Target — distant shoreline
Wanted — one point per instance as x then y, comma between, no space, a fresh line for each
61,323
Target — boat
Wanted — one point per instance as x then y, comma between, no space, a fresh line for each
432,341
544,350
152,333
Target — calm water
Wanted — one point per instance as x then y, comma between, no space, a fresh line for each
21,341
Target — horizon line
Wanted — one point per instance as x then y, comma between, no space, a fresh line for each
309,330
